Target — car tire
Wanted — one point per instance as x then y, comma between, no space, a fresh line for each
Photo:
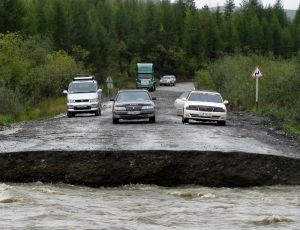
221,123
152,119
69,114
185,120
115,121
98,112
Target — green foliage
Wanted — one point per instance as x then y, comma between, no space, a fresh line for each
279,94
30,72
203,80
116,32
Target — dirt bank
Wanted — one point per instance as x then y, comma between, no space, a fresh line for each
166,168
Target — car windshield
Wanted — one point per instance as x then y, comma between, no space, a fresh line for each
207,97
166,77
133,96
145,76
82,87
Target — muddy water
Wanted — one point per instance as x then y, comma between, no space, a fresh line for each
45,206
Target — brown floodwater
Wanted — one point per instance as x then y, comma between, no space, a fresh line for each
61,206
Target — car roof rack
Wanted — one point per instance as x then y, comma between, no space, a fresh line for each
83,77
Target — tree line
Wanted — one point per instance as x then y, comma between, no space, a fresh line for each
177,37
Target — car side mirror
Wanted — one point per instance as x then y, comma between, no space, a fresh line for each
184,98
65,92
226,102
112,99
153,98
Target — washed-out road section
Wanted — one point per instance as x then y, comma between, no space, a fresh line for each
91,150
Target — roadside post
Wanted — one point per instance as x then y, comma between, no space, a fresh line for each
109,84
256,74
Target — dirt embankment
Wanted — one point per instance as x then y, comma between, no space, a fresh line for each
166,168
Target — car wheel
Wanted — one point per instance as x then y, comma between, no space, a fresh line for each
69,114
98,112
152,119
115,121
221,123
185,120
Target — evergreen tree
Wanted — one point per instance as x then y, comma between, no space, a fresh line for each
229,8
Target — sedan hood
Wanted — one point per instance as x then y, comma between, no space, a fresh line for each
134,103
204,103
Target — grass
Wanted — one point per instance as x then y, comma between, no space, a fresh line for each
292,128
46,108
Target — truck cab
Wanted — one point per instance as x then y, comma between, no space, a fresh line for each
145,77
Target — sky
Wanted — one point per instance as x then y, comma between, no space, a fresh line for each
287,4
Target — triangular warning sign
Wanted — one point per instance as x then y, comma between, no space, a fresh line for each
257,72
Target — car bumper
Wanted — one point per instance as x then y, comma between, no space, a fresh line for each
134,114
205,116
166,83
83,107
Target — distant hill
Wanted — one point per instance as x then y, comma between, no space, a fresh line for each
290,13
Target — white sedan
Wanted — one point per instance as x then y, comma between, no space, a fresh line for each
201,106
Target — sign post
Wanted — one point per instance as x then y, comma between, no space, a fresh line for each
256,74
109,84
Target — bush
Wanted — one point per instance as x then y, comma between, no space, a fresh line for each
279,94
10,104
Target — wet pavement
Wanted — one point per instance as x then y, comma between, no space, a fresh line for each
87,132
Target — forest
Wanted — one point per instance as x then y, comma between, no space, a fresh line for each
44,43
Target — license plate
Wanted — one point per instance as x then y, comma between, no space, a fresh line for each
145,82
82,106
134,112
205,115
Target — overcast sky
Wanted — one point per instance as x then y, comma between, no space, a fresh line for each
287,4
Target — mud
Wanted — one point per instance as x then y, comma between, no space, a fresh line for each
165,168
250,150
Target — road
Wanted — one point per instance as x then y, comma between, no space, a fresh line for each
85,132
91,150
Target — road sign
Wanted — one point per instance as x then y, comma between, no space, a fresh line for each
110,85
257,73
109,80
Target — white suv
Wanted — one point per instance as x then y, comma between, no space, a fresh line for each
83,96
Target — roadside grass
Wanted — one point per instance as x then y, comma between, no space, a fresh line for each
46,108
278,88
292,128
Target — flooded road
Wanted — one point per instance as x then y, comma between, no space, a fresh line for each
61,206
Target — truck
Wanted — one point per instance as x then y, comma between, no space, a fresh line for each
145,77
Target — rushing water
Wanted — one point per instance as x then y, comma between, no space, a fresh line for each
47,206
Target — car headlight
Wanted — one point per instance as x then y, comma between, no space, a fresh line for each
148,107
94,100
120,108
71,101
